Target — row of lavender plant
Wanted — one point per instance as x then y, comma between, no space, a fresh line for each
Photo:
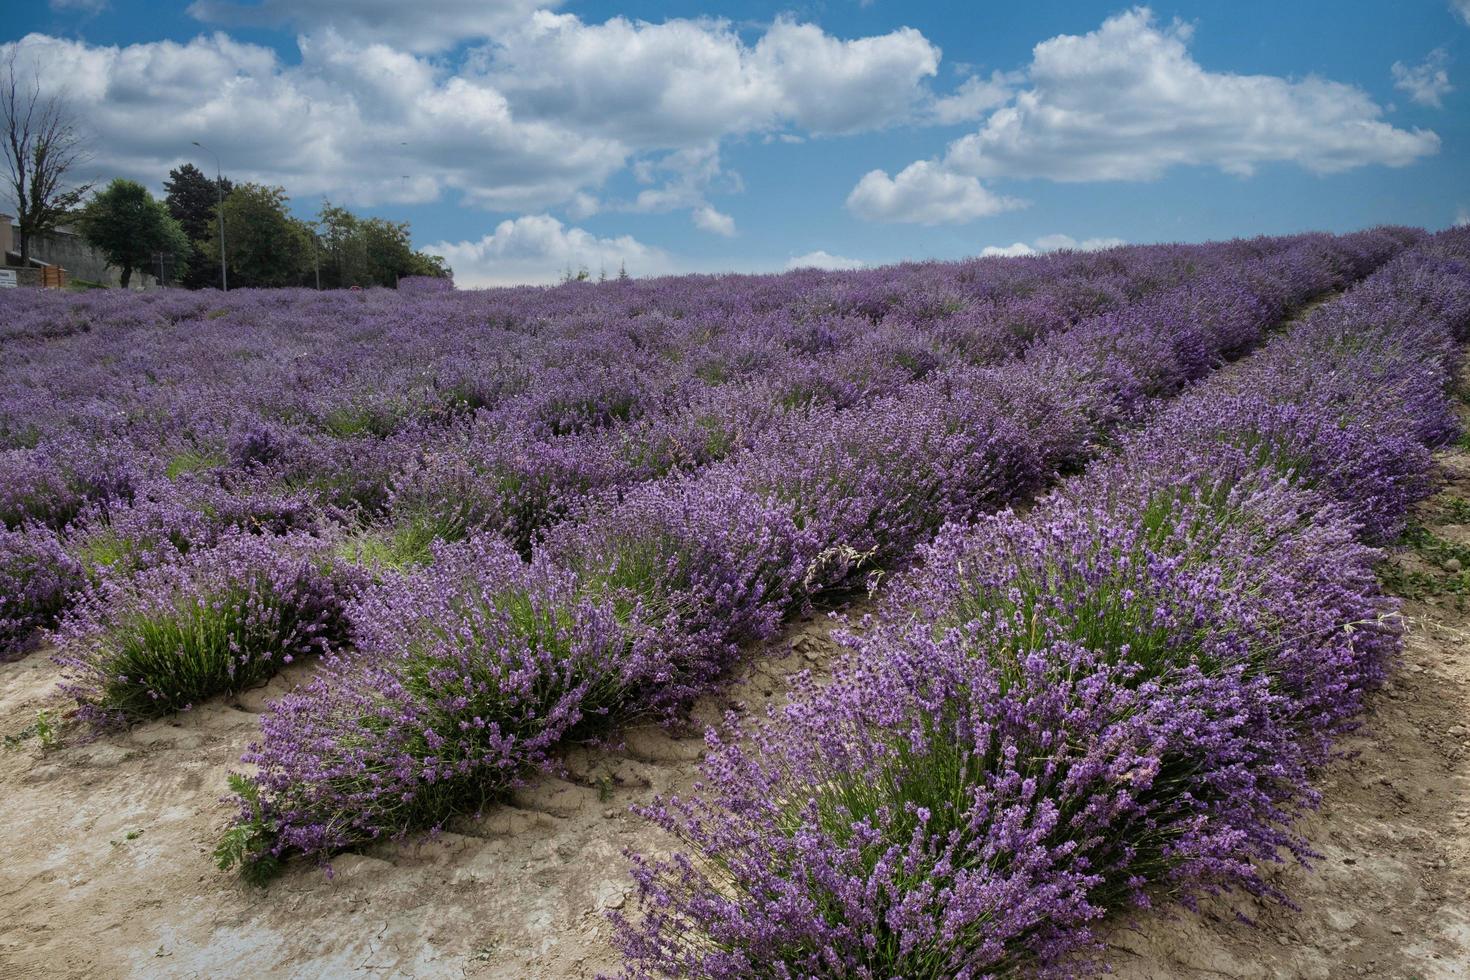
159,442
509,472
204,415
125,475
346,400
469,673
1117,700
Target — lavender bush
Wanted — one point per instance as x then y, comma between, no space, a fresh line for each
464,675
140,643
37,578
690,565
1117,700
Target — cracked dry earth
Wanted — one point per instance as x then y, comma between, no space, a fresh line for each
106,869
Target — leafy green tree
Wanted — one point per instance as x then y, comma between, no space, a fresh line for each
428,264
341,255
192,198
369,251
133,230
265,246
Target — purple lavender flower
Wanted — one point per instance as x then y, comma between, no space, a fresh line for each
37,581
156,638
1120,697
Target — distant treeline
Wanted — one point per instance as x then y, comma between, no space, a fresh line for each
178,239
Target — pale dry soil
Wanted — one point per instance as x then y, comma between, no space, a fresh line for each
105,845
105,868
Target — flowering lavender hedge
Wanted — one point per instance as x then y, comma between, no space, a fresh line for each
1117,700
37,579
409,417
159,638
684,569
463,675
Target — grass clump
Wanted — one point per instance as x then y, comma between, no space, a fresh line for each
395,547
1446,571
182,464
161,639
45,730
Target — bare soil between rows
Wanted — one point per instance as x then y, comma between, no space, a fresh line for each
106,867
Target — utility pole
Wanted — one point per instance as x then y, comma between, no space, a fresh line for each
219,185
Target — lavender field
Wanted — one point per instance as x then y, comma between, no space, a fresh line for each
1116,519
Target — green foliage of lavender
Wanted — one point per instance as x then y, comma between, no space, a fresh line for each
145,642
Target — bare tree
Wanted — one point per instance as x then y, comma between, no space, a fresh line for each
42,146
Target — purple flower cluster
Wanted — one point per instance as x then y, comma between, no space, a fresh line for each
37,579
462,676
664,576
1116,700
153,638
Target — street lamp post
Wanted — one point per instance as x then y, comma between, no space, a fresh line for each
219,186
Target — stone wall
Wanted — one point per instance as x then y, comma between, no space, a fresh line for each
75,256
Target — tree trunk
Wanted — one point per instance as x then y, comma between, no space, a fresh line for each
127,274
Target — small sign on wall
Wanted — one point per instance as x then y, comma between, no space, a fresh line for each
8,279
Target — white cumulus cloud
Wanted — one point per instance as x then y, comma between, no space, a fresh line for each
708,219
924,193
418,27
1051,243
835,86
1128,101
1427,82
974,98
538,249
682,82
539,115
821,259
363,124
1007,251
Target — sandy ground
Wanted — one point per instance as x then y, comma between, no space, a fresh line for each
105,870
106,846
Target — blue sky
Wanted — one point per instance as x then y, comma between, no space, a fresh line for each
522,135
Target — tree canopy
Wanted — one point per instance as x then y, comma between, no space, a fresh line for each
369,251
192,197
264,245
134,231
